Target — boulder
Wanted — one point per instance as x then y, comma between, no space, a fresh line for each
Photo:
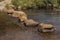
45,27
20,15
30,23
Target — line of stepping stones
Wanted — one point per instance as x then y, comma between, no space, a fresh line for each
44,27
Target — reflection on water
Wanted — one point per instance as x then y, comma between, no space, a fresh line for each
28,35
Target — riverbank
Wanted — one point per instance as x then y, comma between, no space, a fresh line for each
42,4
6,23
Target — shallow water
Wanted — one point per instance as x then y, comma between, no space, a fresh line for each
30,34
48,17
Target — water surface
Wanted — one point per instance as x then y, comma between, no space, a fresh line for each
31,34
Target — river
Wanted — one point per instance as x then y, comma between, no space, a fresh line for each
39,16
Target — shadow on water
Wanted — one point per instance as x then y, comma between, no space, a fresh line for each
14,33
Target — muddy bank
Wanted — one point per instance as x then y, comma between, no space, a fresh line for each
6,23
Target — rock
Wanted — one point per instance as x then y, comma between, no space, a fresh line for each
20,15
4,3
17,14
31,23
10,9
19,8
44,27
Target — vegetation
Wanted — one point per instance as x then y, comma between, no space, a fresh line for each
36,3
